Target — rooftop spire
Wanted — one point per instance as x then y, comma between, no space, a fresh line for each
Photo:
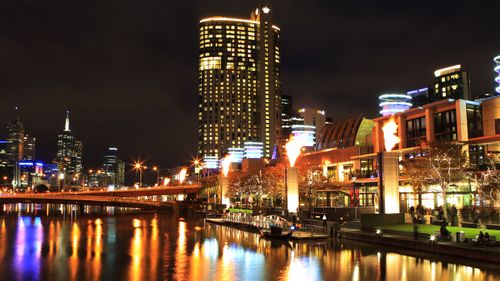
66,125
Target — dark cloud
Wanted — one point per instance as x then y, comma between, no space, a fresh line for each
127,70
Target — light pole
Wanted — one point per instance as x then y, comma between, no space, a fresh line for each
138,166
157,174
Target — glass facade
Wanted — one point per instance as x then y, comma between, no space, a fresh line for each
474,121
445,125
415,131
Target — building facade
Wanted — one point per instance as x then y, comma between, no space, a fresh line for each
451,83
114,168
69,156
239,83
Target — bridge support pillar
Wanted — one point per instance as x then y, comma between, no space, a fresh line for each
1,208
81,208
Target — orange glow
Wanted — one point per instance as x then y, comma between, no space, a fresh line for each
293,147
166,181
226,163
390,130
182,175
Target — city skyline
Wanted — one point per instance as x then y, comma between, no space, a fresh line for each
103,94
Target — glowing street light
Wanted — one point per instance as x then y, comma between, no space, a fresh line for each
157,170
140,167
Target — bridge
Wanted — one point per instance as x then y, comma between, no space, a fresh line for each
117,198
145,191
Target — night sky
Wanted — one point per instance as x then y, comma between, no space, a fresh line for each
127,70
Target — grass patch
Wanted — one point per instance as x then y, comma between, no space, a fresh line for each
431,229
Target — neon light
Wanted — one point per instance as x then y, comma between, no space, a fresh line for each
394,103
382,104
447,70
387,96
211,162
497,70
228,19
254,150
25,163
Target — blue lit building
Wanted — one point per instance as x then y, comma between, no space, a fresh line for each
27,175
419,97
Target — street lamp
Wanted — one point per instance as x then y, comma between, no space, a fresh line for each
138,166
157,174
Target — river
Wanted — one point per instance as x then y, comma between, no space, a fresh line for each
110,245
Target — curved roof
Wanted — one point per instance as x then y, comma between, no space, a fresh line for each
350,132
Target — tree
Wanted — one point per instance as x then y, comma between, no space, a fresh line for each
487,181
210,185
445,164
267,183
416,171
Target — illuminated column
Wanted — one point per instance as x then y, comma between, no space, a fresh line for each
292,183
388,164
224,181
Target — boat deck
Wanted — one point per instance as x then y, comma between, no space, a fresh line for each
296,235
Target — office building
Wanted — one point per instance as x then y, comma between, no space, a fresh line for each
239,83
69,155
313,117
451,83
114,168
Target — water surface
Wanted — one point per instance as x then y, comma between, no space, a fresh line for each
150,246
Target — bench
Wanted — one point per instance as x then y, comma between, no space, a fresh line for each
492,242
493,226
469,224
437,222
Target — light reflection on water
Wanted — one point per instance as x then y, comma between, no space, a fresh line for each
161,247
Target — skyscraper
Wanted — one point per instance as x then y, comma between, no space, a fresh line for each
286,116
451,83
113,167
239,83
69,154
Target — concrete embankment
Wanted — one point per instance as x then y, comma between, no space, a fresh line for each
463,250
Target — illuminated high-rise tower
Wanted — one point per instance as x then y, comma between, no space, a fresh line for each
69,154
239,83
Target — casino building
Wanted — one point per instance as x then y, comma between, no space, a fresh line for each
239,84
